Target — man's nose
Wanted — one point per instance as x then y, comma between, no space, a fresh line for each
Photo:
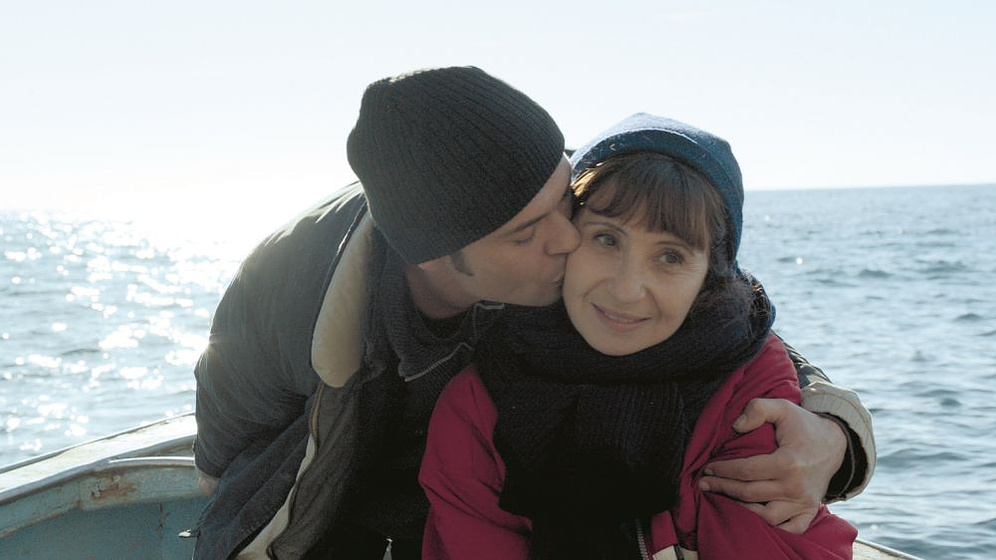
565,237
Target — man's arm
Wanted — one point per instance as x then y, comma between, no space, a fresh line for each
825,452
244,392
843,407
256,375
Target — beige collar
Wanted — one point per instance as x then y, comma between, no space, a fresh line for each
337,344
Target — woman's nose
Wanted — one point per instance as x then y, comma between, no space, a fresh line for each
627,284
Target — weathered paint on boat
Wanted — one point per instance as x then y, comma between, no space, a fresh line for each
129,496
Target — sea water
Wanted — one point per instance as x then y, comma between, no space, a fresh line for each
891,291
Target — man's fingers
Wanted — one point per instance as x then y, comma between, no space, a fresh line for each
758,467
757,412
784,487
761,510
790,516
799,523
207,485
756,491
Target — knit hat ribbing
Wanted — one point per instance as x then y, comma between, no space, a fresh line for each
446,156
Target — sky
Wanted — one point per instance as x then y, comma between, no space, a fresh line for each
199,109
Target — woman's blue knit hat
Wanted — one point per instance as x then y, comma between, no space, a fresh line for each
703,152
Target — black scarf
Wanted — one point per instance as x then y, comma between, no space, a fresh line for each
401,339
591,441
409,363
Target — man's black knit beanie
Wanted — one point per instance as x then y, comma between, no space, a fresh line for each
447,156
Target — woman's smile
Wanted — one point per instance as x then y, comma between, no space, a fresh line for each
614,320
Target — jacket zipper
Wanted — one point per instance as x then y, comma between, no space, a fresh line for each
313,419
641,541
292,496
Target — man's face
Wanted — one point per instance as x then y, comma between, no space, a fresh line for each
523,261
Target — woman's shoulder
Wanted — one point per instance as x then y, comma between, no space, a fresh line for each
466,398
772,353
771,371
769,374
460,440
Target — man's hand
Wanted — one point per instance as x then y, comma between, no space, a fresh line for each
207,484
787,486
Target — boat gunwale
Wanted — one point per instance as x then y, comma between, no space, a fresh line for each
101,463
105,484
891,553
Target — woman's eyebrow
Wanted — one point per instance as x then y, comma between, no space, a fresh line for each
608,224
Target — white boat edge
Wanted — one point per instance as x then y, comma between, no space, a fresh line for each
168,444
169,437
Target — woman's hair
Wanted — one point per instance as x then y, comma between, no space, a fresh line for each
663,194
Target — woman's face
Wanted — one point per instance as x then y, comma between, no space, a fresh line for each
626,288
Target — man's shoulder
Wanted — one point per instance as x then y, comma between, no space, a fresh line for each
308,244
320,226
335,210
347,199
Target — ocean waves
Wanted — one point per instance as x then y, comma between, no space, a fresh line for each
889,290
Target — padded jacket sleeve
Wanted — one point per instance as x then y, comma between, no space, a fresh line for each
821,396
256,376
462,476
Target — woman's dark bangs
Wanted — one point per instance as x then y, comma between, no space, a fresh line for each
655,192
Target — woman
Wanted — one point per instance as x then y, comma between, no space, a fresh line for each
583,428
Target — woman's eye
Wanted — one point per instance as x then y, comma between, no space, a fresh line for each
605,240
671,258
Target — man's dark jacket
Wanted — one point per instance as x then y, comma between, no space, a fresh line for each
273,373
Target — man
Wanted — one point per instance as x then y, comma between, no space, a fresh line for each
330,347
